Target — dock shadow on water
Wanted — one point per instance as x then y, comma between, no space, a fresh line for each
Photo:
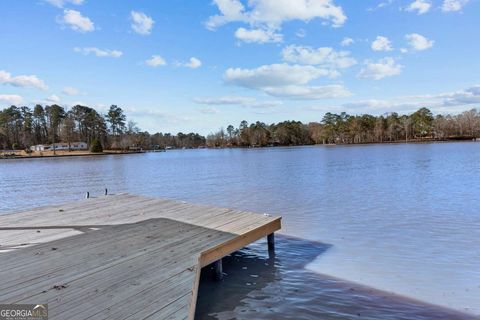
257,286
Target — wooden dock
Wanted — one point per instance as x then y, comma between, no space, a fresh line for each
120,256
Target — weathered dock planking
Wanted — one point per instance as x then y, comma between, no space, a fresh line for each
120,256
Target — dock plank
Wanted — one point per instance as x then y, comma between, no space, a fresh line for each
120,256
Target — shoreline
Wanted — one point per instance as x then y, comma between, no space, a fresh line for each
83,154
106,153
341,144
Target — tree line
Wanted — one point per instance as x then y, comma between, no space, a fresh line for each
350,129
22,127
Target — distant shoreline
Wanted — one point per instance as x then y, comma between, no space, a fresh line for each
424,141
69,154
65,154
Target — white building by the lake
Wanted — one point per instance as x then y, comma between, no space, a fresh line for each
60,146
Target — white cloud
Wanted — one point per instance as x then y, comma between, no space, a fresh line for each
271,14
382,44
102,53
76,21
22,81
71,91
369,104
275,75
418,42
258,35
141,23
325,108
381,5
309,92
157,116
230,10
420,6
275,12
453,5
248,102
449,102
284,80
193,63
11,99
324,56
443,102
61,3
227,100
53,99
468,96
383,68
155,61
264,104
346,42
210,110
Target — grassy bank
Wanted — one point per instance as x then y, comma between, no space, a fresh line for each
21,154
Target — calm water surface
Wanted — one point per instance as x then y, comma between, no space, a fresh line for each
400,218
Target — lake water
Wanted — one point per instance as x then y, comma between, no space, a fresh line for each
402,219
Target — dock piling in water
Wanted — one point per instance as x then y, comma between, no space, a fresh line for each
218,269
271,242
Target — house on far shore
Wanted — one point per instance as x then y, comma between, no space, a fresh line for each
60,146
40,147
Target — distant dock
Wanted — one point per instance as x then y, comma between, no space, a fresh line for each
120,256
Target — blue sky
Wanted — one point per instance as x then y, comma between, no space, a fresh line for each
200,65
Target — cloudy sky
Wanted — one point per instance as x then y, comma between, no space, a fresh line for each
199,65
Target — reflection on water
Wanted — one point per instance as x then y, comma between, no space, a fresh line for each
403,218
259,286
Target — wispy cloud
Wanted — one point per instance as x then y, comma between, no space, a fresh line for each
61,3
443,102
381,5
453,5
102,53
210,110
242,101
71,91
347,42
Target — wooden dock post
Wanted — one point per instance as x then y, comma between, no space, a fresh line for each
218,270
271,242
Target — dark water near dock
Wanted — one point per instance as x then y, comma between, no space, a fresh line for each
397,218
263,286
